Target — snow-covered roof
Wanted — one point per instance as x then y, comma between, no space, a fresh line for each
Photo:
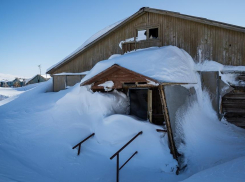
88,41
164,64
83,73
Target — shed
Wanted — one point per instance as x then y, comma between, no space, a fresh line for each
150,80
148,98
63,80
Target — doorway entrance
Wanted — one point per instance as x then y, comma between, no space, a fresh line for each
146,104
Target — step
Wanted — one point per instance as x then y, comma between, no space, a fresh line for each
233,101
234,96
238,105
234,115
233,110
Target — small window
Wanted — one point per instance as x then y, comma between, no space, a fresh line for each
153,33
141,35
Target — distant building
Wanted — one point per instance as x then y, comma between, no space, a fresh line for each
36,79
4,84
17,82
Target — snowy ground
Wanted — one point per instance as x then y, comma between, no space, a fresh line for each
9,94
38,130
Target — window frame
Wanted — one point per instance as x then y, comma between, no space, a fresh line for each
147,28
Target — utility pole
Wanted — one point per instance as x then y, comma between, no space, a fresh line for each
39,66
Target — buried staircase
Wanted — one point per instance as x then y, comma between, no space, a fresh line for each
233,103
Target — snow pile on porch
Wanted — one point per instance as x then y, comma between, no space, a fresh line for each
164,64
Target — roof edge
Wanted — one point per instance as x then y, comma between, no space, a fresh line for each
135,15
120,67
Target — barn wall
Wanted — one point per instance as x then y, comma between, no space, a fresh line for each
201,41
60,82
71,80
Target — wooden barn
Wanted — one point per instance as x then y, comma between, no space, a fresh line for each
203,39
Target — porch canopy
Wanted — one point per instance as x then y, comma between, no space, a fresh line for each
147,67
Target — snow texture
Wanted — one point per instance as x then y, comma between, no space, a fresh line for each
164,64
107,85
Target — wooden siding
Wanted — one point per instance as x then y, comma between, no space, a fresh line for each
60,82
201,41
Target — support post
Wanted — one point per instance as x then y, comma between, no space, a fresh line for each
79,148
118,167
169,129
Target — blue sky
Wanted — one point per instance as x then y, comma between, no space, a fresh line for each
34,32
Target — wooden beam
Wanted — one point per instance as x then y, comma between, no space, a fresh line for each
168,124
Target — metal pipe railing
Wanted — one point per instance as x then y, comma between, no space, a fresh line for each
80,143
117,154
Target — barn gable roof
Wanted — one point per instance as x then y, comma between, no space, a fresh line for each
137,14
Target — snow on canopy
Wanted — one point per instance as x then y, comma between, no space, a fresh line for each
164,64
88,41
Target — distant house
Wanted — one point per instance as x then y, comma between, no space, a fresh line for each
17,82
36,79
4,84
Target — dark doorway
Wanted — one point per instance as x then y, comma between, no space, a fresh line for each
138,103
157,112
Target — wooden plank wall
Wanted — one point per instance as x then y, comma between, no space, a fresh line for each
201,41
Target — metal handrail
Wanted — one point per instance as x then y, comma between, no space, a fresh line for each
117,154
126,144
80,143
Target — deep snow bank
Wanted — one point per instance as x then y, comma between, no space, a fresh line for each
38,131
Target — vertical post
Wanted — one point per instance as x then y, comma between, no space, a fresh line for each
79,149
118,167
149,103
169,129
